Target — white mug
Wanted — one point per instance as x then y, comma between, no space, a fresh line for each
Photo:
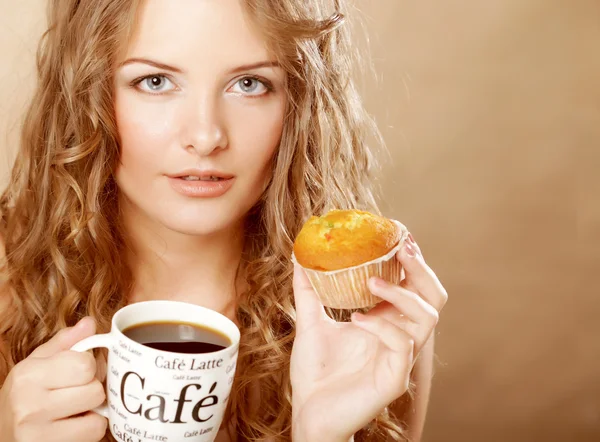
162,396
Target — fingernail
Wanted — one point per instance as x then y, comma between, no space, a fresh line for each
82,322
358,317
411,239
378,282
410,250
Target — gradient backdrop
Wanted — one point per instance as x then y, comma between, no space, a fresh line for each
491,110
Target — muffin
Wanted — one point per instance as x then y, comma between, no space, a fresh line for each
342,249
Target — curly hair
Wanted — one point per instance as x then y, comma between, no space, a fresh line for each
60,212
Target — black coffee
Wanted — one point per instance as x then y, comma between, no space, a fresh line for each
178,337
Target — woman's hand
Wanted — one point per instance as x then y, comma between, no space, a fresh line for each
49,395
344,374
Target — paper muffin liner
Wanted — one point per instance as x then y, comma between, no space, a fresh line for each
347,288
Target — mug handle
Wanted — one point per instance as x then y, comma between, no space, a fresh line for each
89,343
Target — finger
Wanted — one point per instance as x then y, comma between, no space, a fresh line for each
101,367
65,369
394,366
420,276
408,285
394,338
390,313
410,312
411,239
387,310
66,338
406,302
67,402
91,427
309,308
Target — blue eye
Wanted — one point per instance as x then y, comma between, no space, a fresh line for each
156,84
250,86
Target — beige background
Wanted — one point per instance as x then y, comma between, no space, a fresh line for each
492,112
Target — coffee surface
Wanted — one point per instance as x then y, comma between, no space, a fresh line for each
178,337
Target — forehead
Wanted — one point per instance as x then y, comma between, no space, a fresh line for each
197,31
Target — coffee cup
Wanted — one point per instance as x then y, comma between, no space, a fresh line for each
170,369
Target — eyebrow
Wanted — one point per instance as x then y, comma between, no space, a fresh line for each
149,62
166,67
259,65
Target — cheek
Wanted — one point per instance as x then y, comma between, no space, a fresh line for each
144,132
257,138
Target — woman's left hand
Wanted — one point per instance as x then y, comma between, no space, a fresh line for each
344,374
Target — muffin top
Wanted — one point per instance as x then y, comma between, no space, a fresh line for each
344,238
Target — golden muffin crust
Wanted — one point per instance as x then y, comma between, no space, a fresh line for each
344,238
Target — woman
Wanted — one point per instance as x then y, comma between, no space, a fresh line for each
173,151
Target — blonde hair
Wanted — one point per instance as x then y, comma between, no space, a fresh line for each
60,211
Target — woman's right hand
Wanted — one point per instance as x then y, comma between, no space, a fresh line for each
48,396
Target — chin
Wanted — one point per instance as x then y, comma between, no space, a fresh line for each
193,217
202,226
203,222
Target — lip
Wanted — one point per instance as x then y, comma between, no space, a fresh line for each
201,189
201,173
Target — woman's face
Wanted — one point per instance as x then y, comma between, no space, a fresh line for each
200,105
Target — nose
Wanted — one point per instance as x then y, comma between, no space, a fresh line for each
205,131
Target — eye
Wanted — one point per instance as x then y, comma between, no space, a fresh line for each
251,86
155,84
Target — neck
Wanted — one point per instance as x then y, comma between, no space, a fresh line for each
202,270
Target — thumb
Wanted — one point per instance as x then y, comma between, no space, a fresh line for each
309,308
66,338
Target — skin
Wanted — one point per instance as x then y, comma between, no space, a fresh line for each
204,117
343,375
185,97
